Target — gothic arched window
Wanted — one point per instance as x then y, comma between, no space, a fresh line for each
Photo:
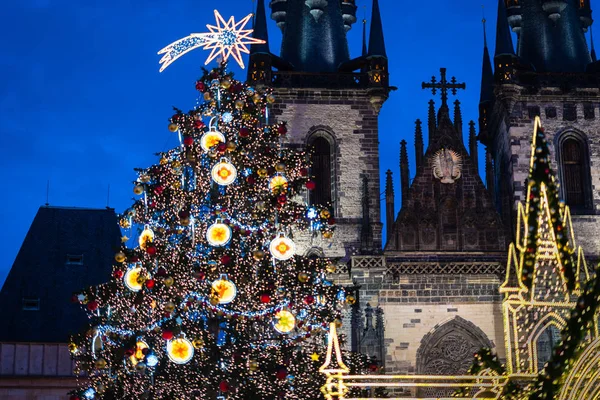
545,343
574,172
322,170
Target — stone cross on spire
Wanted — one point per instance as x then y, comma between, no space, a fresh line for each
443,85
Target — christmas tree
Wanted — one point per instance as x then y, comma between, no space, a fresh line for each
212,301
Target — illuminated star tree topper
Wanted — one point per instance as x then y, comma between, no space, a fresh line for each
226,38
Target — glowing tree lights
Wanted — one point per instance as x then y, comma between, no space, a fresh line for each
212,300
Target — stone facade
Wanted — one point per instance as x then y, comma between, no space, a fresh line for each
347,119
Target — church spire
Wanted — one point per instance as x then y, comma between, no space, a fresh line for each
431,122
403,171
458,124
418,143
389,204
473,146
593,51
364,37
486,95
504,43
314,35
260,30
376,42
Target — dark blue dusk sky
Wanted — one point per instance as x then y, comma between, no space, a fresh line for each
82,102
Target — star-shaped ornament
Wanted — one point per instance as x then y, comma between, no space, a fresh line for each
124,239
225,39
315,356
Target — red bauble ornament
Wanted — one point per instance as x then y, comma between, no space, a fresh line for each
331,221
167,335
118,274
129,352
74,299
158,190
303,171
251,180
308,300
265,298
373,367
281,374
244,132
200,86
188,140
282,130
92,305
225,259
134,259
161,272
222,147
198,124
184,214
150,283
74,398
310,185
151,250
224,386
200,275
282,199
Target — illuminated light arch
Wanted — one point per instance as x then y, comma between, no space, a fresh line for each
583,382
547,321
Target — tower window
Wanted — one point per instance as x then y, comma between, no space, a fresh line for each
75,259
570,112
534,111
575,177
573,173
588,111
31,304
551,112
322,171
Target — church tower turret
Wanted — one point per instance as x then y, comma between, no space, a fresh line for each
259,70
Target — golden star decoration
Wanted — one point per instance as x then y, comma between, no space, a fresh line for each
315,357
124,239
225,39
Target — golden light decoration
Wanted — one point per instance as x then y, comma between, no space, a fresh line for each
211,138
282,248
180,350
218,234
133,279
146,237
224,290
284,321
278,184
224,173
139,352
223,39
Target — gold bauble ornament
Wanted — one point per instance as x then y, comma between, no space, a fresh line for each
144,178
226,83
176,185
256,98
173,127
231,146
261,205
218,234
224,289
246,116
176,164
184,221
327,235
207,96
72,348
258,255
239,104
100,363
284,321
350,299
141,367
303,277
138,189
262,172
224,173
147,236
180,350
252,365
280,167
163,161
278,184
134,279
338,323
211,138
270,99
325,214
198,343
282,248
120,257
168,281
170,307
331,268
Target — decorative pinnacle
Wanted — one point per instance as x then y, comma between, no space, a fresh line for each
443,85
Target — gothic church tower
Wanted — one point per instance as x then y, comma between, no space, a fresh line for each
331,104
552,74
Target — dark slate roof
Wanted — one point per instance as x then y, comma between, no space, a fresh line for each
504,43
42,271
260,30
376,41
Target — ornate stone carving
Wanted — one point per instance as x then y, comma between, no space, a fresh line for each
447,165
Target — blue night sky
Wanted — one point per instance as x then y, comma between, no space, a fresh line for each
82,102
